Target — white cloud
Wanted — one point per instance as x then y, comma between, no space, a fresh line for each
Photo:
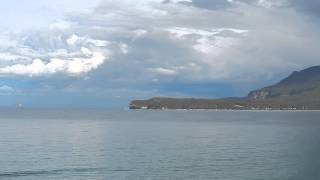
48,53
181,32
86,51
98,43
74,40
208,41
123,48
75,66
163,71
214,46
140,32
6,88
272,3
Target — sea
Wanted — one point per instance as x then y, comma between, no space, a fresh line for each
100,144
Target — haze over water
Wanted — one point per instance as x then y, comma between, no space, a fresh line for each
95,144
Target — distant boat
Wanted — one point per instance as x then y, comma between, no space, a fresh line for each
19,105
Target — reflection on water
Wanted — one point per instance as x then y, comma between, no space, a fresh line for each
96,144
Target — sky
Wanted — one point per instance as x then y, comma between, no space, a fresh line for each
104,53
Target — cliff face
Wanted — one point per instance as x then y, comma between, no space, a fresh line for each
300,90
303,83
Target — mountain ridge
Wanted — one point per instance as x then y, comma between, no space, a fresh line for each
299,91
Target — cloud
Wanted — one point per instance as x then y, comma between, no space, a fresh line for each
153,43
201,40
213,4
6,88
311,6
74,66
50,54
215,40
74,40
208,41
163,71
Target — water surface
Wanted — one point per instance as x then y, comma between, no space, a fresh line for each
37,144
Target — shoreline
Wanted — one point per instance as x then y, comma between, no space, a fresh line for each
227,110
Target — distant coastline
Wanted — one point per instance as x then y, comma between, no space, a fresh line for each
228,110
298,92
221,104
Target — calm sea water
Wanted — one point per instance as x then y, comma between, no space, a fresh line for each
157,145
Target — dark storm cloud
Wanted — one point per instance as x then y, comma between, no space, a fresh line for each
309,6
214,4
